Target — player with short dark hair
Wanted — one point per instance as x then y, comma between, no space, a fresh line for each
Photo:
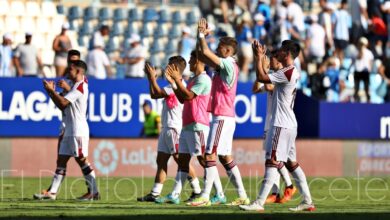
76,133
195,120
168,141
221,106
270,66
283,131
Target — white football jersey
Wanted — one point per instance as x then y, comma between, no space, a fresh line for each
269,111
62,126
283,97
76,111
172,111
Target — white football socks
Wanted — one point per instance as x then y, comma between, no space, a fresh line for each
194,182
285,175
235,177
270,175
276,186
57,179
90,177
180,180
301,181
157,188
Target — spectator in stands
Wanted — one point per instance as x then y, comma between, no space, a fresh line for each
135,58
332,73
26,58
264,9
259,30
363,66
244,38
61,46
359,20
386,10
341,22
346,94
6,56
374,8
186,45
282,27
315,41
378,30
152,122
384,71
98,62
296,17
98,37
325,19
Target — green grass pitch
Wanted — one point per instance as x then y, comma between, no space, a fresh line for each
335,198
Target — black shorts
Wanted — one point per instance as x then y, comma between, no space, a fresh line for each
341,44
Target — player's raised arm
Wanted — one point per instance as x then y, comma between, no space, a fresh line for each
259,53
58,100
155,91
64,85
211,59
179,89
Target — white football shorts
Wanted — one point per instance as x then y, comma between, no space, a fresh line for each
193,142
220,139
74,146
168,141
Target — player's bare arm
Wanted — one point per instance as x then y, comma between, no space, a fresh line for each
259,53
181,90
58,100
155,91
63,85
211,59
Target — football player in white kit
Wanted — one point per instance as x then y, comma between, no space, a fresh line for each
271,65
222,108
76,135
283,130
168,142
66,86
195,121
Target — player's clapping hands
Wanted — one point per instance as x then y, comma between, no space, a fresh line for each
49,86
258,49
203,27
63,85
150,72
173,72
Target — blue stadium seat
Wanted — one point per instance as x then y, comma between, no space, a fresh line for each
73,26
146,31
177,17
175,31
75,12
150,15
157,46
105,14
191,18
131,29
90,13
86,29
164,16
83,41
134,15
119,14
111,46
171,47
161,31
117,29
60,9
155,60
